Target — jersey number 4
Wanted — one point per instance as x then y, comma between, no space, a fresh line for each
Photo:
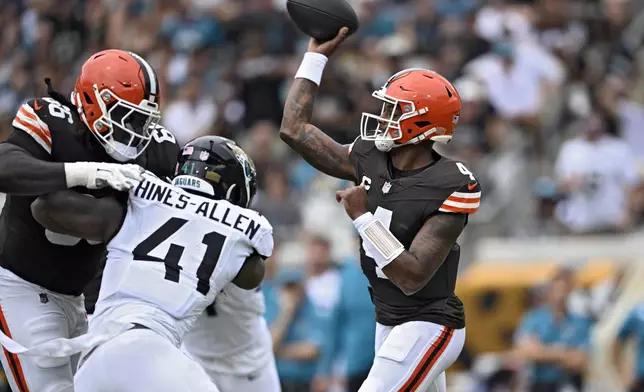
214,244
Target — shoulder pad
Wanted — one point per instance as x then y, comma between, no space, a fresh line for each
465,196
29,119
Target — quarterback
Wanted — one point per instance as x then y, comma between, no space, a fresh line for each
169,255
409,206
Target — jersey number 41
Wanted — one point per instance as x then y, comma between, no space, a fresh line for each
214,245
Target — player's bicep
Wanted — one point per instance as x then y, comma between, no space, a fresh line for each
251,274
72,213
436,238
321,151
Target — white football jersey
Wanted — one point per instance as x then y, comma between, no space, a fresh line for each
173,254
231,336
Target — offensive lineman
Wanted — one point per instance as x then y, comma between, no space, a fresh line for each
409,209
232,342
177,247
113,116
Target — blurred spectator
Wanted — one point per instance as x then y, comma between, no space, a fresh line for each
597,173
264,148
192,115
355,328
323,289
497,18
631,328
295,328
277,203
554,341
189,30
623,98
518,78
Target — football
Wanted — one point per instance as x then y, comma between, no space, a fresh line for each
322,19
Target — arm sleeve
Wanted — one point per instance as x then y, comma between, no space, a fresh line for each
28,121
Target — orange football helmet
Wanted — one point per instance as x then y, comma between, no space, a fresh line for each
418,105
117,96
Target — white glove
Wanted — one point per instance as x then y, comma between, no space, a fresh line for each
95,175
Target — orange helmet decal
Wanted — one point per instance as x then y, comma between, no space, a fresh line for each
117,96
418,105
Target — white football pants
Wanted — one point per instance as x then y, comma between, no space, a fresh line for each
265,380
31,315
140,360
413,357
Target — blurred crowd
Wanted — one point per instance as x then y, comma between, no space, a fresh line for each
552,89
552,124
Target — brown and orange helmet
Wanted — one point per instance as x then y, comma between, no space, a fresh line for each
117,96
418,105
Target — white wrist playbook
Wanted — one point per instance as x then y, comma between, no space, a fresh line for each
377,239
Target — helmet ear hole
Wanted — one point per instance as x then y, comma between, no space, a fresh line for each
88,99
422,124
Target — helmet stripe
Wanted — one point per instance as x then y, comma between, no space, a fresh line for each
151,80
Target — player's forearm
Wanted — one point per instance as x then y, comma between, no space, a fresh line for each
78,215
300,351
22,174
532,350
412,269
411,274
317,148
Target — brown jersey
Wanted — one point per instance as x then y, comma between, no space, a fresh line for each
53,132
404,201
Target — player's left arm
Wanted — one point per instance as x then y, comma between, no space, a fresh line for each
251,273
79,215
415,267
411,269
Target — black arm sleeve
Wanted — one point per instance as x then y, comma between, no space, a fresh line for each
26,170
